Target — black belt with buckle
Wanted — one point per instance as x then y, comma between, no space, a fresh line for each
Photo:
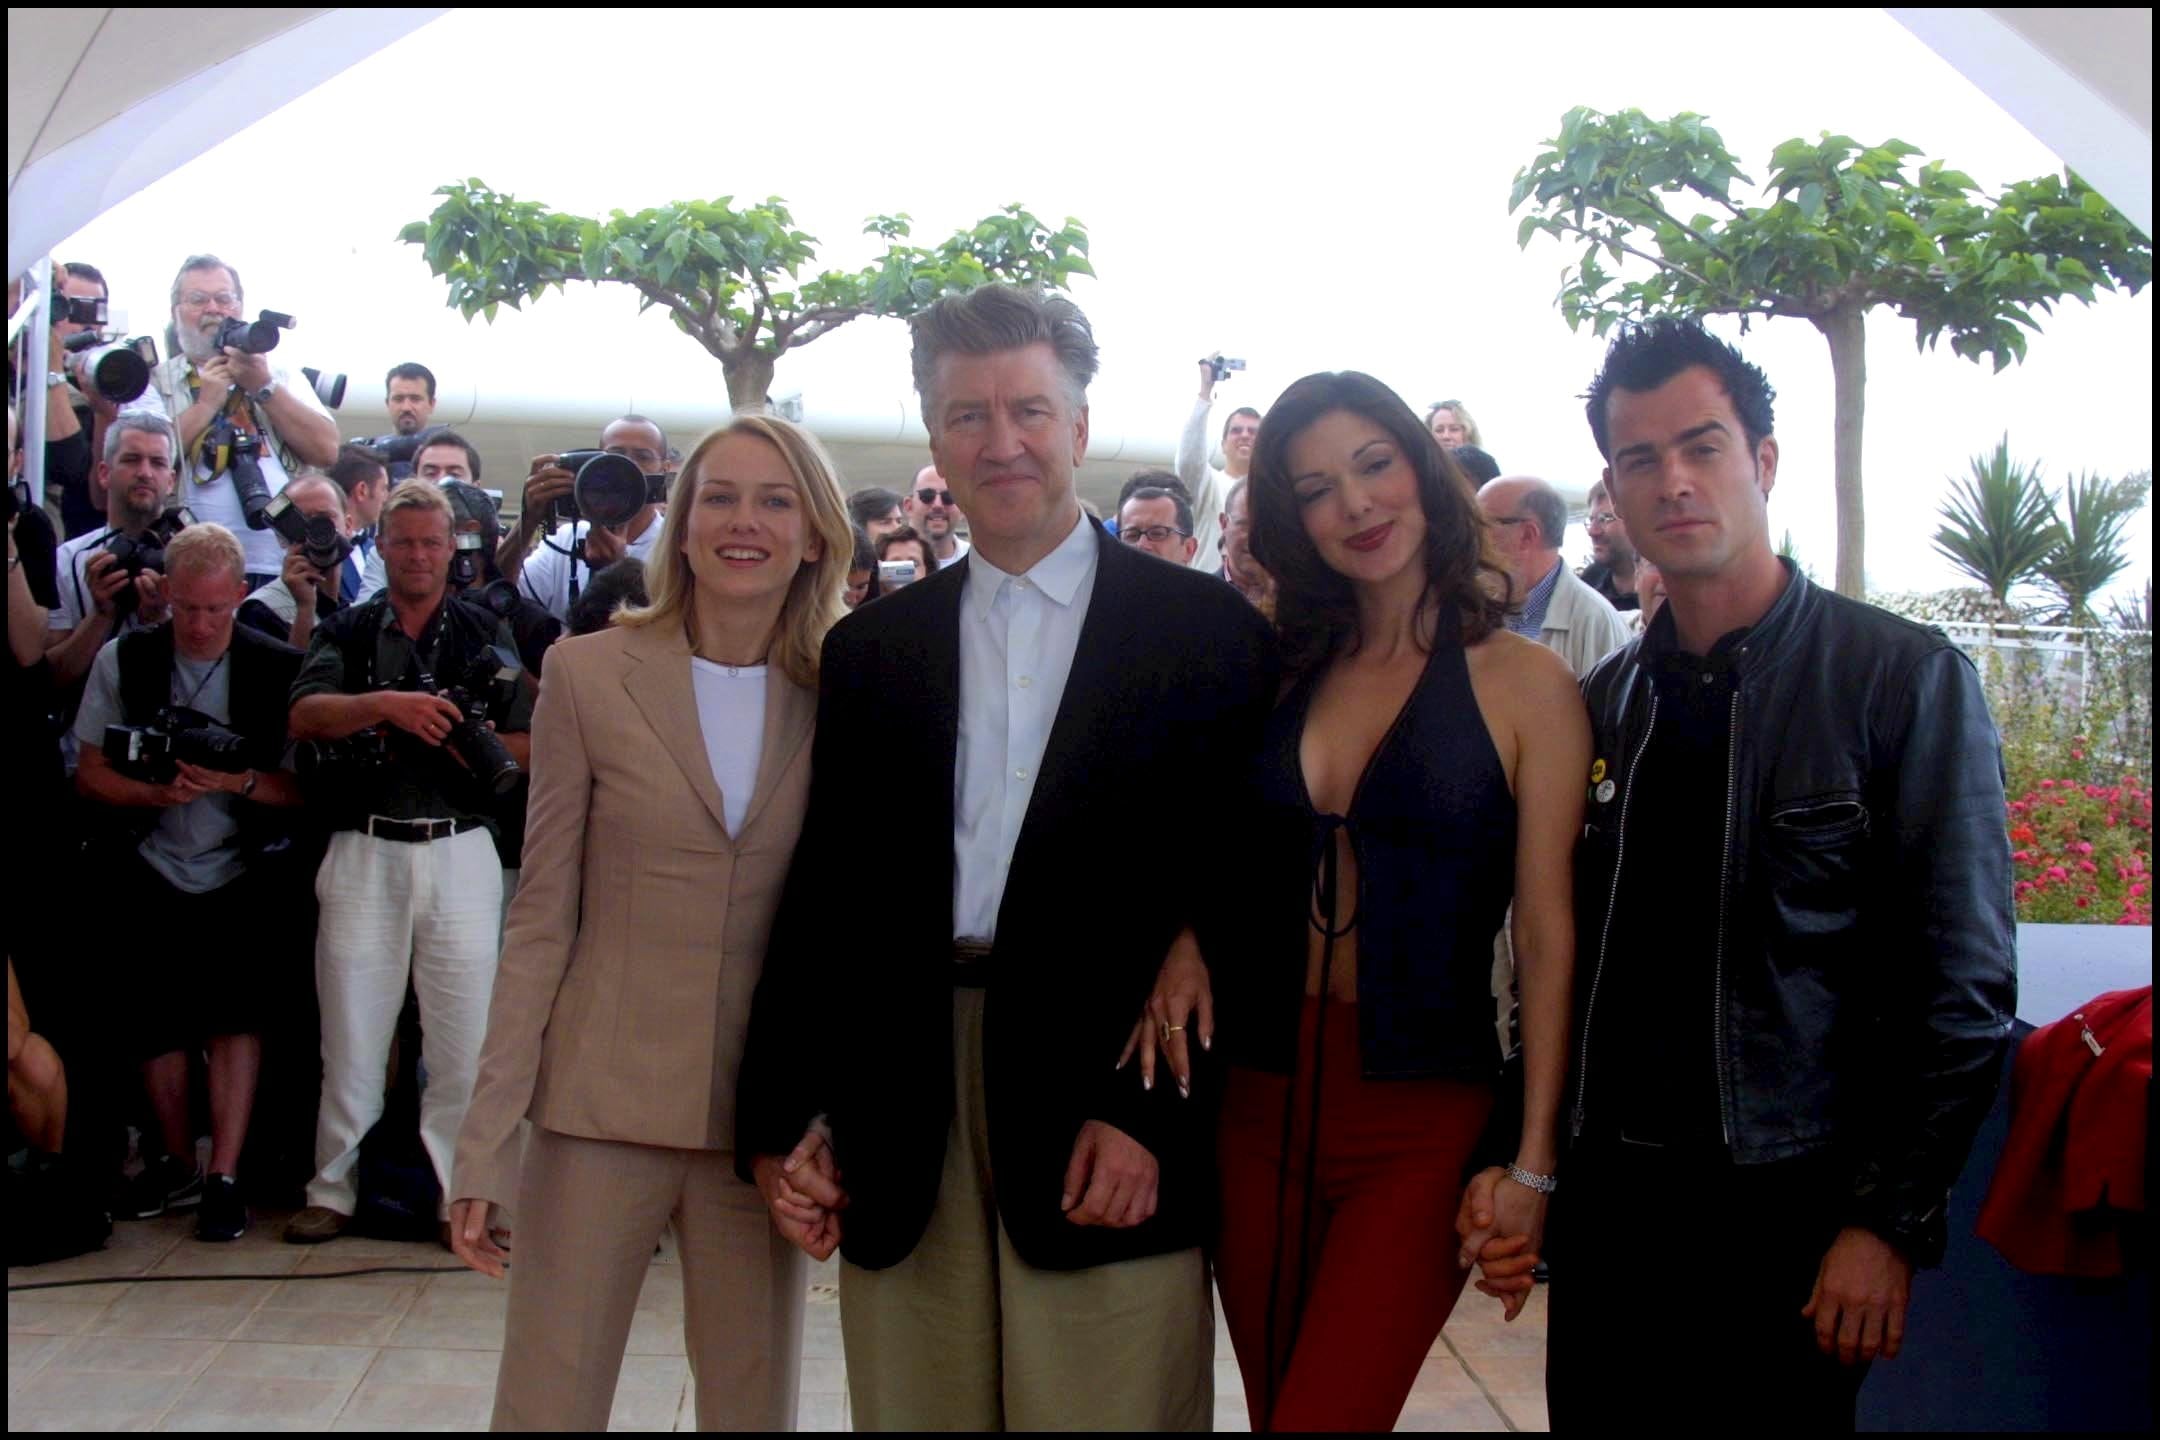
971,963
416,832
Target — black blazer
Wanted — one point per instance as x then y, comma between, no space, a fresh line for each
1172,679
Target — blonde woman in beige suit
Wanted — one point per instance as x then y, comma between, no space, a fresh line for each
671,762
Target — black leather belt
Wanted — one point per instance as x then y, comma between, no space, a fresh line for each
971,962
416,832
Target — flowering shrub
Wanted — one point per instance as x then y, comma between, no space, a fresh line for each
2083,851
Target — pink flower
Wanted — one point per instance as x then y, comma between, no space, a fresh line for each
2083,903
2056,872
2083,847
2047,784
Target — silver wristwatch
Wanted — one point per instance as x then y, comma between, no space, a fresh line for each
262,396
1543,1184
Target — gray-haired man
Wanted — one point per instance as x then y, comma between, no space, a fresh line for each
981,1041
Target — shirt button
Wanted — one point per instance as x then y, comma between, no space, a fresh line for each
1025,681
1020,774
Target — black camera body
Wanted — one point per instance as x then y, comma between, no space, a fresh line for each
153,752
480,748
609,489
117,369
243,450
257,337
137,553
316,535
79,309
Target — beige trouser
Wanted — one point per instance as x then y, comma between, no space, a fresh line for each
964,1335
589,1214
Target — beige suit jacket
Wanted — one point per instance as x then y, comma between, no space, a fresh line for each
640,925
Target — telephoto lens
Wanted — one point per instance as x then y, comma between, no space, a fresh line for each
609,489
119,370
330,389
246,470
479,747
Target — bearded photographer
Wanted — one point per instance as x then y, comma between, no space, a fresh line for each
415,710
181,737
309,587
566,560
224,401
111,580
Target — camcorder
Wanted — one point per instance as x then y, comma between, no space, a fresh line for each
253,337
116,368
137,553
609,489
152,753
316,535
1221,366
329,388
892,574
243,461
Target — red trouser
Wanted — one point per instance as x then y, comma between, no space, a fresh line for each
1380,1273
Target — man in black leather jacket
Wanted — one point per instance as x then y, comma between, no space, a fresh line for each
1798,967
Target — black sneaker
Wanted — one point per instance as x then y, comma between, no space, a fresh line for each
168,1183
224,1214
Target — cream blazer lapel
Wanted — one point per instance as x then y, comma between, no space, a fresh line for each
658,683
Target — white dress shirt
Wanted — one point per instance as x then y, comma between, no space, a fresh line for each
1017,638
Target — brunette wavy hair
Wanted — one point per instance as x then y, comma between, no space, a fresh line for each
1316,614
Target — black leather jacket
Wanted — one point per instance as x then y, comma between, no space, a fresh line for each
1866,953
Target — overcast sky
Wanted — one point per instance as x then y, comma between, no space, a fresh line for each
1308,190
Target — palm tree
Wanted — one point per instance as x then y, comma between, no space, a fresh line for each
1999,523
2088,548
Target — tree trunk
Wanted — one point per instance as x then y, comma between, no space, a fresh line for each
749,377
1846,330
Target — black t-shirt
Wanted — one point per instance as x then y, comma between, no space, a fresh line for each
1598,576
1661,957
68,464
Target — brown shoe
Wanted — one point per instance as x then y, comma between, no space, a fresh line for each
314,1225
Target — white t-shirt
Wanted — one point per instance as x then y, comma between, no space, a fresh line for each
731,717
545,578
191,845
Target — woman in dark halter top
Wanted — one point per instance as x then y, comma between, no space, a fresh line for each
1424,769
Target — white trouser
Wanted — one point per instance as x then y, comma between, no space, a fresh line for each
391,909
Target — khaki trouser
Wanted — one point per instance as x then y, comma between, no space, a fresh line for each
964,1335
589,1214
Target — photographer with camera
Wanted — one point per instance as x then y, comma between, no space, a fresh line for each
409,396
605,513
318,557
413,712
1208,486
111,580
244,428
183,726
361,474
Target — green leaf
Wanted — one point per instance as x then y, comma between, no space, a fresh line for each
1811,200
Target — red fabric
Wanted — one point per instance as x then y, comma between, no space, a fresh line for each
1382,1275
2076,1152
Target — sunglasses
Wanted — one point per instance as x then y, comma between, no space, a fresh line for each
934,497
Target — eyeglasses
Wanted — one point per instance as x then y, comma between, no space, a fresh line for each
1134,534
224,299
1509,519
934,497
1603,517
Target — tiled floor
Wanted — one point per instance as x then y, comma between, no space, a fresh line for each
418,1352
